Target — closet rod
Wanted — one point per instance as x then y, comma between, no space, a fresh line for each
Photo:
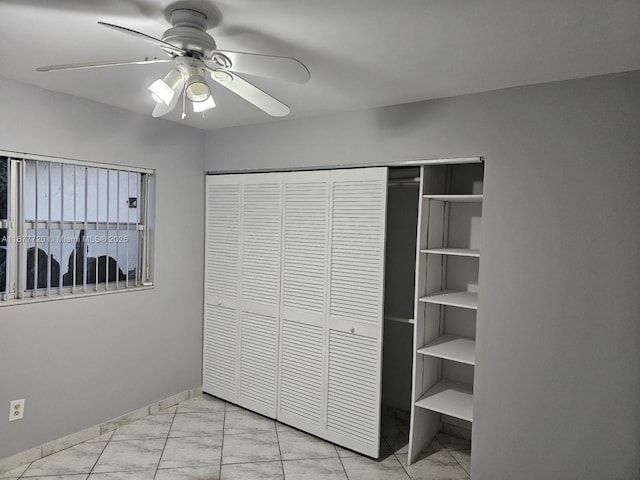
392,163
404,182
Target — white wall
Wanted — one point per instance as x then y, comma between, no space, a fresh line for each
558,333
79,362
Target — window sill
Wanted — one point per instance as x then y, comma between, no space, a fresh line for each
68,296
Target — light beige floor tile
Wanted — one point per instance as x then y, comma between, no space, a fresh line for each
153,426
130,455
13,474
203,403
250,447
281,427
463,457
208,472
315,469
252,471
78,459
71,440
197,424
434,465
192,451
296,445
131,475
363,468
345,453
77,476
244,421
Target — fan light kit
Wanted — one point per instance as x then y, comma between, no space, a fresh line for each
194,54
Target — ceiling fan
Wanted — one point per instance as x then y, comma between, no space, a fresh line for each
194,53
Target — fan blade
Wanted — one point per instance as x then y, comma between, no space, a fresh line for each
78,66
148,38
250,93
280,68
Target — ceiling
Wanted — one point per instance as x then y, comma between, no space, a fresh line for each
361,53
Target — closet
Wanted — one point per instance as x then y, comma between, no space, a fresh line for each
294,275
295,297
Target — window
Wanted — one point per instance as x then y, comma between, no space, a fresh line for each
72,228
4,170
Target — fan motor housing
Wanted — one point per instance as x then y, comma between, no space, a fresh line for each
189,32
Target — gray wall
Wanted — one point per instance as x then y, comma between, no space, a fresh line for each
79,362
558,335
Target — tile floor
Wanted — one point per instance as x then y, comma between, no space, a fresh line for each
205,438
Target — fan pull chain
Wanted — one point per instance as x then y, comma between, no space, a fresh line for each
184,101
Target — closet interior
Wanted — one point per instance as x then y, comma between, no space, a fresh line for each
403,194
314,295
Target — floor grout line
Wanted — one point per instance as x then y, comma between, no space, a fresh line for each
224,421
275,426
341,463
166,440
99,456
461,466
395,455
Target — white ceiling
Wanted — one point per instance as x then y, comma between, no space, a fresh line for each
361,53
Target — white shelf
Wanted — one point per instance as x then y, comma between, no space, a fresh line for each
460,252
453,298
450,398
456,198
452,347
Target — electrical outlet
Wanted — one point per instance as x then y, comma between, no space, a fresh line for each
16,410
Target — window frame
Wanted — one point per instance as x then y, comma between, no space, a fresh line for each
18,227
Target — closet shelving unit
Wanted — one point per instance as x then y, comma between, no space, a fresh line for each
446,301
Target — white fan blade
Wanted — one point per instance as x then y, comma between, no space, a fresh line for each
148,38
78,66
250,93
280,68
161,109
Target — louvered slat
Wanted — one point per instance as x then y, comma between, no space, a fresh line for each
220,340
258,357
301,371
357,249
222,239
352,399
305,237
261,243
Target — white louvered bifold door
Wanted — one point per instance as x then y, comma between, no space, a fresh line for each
260,292
222,286
304,300
355,320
